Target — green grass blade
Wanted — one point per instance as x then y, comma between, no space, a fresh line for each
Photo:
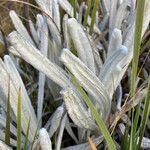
145,115
96,115
125,141
96,2
131,133
27,133
133,137
19,121
75,7
7,130
87,13
137,41
136,119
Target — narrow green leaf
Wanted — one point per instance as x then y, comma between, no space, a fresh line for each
87,13
7,130
26,136
125,141
145,115
19,121
93,16
135,125
96,115
131,133
75,7
136,118
137,41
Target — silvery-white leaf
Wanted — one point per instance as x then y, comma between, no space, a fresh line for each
61,131
119,96
146,17
113,10
105,5
115,41
44,139
97,18
110,67
3,146
26,112
55,120
19,26
55,33
70,131
19,84
85,146
122,12
30,54
46,6
56,13
65,32
96,47
104,22
44,49
89,81
69,9
1,38
128,43
39,24
77,109
14,52
81,43
82,135
53,54
33,32
81,10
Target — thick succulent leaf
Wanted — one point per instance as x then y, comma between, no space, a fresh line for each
115,41
67,40
39,24
113,10
111,68
33,32
89,82
19,26
81,43
70,131
56,13
129,44
46,6
15,84
122,13
30,54
77,109
105,5
45,142
55,120
146,17
10,67
61,131
44,49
